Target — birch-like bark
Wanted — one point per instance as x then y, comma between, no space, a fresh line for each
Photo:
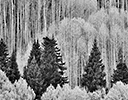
45,21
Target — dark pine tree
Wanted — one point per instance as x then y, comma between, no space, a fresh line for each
34,78
49,70
121,72
35,52
3,55
32,72
94,75
52,64
13,72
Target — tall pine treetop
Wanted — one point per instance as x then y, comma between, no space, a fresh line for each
51,49
3,55
121,72
94,75
48,43
52,60
35,52
95,52
3,48
13,71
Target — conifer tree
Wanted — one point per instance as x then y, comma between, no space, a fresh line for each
49,70
53,65
32,72
3,55
121,72
12,70
35,52
94,75
34,78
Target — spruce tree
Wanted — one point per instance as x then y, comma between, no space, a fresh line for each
49,69
12,71
35,52
94,75
32,72
52,64
34,78
121,72
3,55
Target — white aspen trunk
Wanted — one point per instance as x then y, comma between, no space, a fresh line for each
114,54
2,15
118,4
0,21
104,3
126,4
109,63
78,65
39,24
114,3
4,33
53,13
59,10
71,61
26,21
98,6
18,26
16,21
2,6
105,61
122,4
123,46
23,25
45,21
13,31
63,7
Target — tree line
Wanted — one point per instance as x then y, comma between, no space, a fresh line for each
45,66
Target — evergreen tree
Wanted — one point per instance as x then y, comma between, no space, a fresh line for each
3,55
121,73
94,75
12,70
32,72
34,78
35,52
52,64
49,70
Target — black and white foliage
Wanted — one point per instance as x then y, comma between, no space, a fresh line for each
74,24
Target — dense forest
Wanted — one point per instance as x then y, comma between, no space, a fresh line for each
74,24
